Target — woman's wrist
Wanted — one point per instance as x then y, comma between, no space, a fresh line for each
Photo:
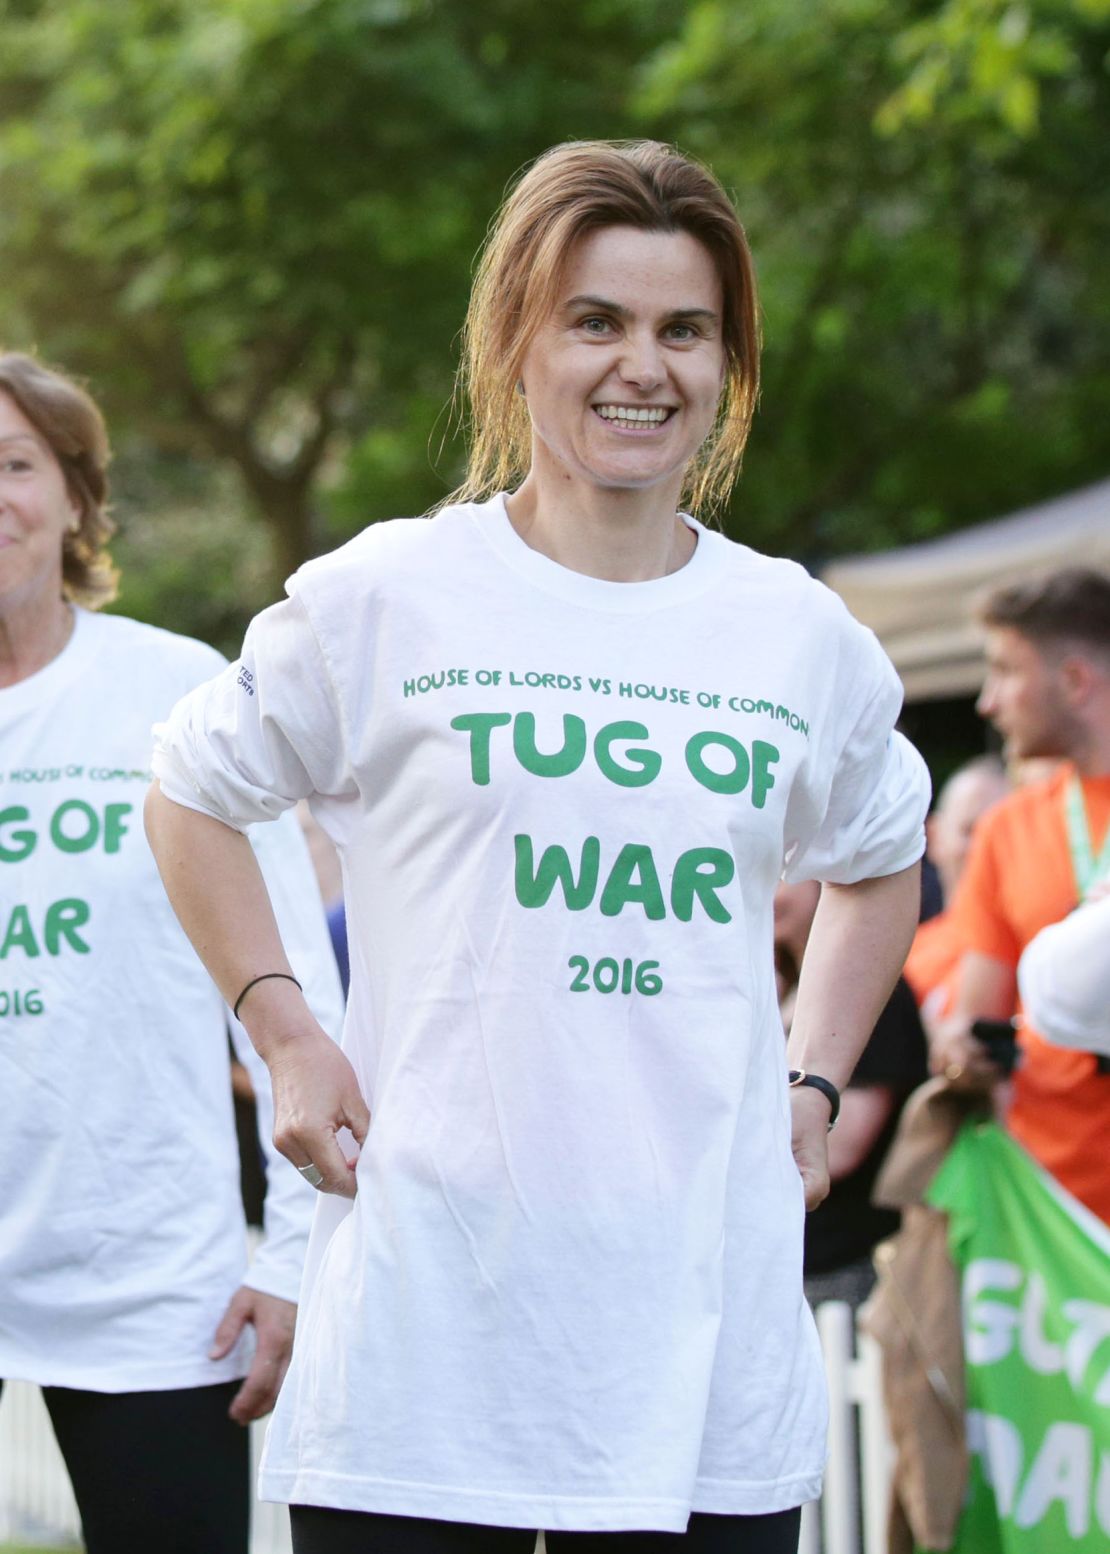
276,1016
263,976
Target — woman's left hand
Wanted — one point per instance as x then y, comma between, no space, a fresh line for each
809,1139
273,1321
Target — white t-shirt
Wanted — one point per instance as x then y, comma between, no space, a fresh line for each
568,1293
1064,977
121,1226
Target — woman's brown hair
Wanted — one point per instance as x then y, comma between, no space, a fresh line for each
570,191
69,422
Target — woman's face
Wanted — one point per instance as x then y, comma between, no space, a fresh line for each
623,379
36,509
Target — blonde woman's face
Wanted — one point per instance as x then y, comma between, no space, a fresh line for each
623,379
36,509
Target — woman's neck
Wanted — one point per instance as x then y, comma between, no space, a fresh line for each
32,634
619,536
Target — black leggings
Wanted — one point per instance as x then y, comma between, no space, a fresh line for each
155,1471
320,1531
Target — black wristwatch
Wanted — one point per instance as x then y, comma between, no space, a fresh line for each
798,1076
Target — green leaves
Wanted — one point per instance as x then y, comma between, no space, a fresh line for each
252,224
921,186
979,61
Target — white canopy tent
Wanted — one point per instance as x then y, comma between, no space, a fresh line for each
917,599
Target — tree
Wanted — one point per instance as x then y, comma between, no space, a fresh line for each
924,189
251,221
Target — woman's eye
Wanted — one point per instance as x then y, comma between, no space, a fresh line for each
595,326
15,466
682,332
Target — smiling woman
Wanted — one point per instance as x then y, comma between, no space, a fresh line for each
118,1155
53,521
635,194
562,1286
622,381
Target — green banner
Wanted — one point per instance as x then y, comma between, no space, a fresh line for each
1035,1273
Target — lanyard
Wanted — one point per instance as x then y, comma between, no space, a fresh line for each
1088,869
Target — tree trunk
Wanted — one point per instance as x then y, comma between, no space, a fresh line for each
285,507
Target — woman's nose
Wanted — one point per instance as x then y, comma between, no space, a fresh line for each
642,361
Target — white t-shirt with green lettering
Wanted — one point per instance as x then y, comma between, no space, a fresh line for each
121,1226
568,1293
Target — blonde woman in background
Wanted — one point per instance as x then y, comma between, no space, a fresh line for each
124,1289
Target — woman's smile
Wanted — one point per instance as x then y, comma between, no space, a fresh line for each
629,418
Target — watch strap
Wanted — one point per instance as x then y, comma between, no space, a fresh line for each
799,1076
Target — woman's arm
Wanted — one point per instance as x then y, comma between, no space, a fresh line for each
857,948
216,888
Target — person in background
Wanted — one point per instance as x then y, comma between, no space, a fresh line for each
842,1231
561,1287
935,953
1035,856
325,861
124,1289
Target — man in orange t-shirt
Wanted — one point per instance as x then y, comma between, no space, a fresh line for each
1035,856
936,950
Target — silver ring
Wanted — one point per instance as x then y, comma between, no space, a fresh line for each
312,1174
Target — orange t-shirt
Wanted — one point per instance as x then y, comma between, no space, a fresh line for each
934,958
1019,878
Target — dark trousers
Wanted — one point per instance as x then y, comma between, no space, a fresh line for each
155,1472
320,1531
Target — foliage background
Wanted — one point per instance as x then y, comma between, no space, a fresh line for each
251,223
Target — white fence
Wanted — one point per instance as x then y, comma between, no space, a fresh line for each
851,1516
36,1502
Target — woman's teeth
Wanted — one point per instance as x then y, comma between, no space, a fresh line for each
624,415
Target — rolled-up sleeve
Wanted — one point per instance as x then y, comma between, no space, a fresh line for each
862,800
263,734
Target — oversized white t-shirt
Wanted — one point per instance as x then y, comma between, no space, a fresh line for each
121,1227
568,1293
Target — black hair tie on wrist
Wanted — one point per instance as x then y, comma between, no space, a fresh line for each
799,1076
285,976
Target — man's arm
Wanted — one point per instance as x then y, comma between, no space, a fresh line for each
856,950
986,990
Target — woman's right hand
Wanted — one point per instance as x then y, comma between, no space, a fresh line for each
315,1094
